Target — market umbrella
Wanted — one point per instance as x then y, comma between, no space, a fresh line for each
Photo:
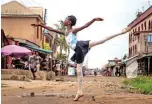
15,51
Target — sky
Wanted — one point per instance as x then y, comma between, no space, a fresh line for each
117,15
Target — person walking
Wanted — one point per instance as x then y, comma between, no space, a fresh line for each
38,61
32,65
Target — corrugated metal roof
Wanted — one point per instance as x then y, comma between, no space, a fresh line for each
37,10
130,58
149,55
14,8
141,17
39,49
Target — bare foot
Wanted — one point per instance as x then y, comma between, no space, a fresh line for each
77,97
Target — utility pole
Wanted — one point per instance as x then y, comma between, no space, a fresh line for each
45,13
143,8
149,3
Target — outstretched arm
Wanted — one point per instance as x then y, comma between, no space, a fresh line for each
49,28
86,25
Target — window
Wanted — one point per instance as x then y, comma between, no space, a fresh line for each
139,28
150,38
142,27
46,40
37,32
130,51
41,33
138,38
145,25
131,37
135,31
149,27
135,49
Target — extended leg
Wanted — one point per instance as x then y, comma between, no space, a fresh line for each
94,43
80,76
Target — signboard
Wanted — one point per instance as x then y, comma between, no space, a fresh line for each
71,71
47,46
149,38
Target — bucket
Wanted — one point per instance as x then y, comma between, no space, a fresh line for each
71,71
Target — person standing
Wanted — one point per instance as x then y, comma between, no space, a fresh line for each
38,60
62,66
32,64
80,47
95,73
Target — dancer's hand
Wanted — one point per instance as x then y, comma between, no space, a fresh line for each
35,25
126,30
98,19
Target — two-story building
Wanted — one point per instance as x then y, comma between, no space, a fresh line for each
140,40
16,22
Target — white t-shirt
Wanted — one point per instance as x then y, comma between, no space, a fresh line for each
58,66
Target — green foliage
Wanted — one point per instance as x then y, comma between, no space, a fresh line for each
63,44
61,57
143,84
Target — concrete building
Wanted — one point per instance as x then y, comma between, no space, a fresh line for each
17,19
16,23
140,45
140,36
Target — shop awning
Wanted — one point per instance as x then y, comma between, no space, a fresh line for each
31,45
130,58
148,55
39,49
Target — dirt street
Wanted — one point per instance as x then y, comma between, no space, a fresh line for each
99,90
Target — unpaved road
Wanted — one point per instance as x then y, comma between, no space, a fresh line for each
105,90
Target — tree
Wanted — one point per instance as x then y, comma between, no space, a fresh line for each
63,44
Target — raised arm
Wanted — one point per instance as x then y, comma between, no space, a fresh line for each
86,25
49,28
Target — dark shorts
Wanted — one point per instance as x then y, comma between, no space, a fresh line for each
82,48
33,70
